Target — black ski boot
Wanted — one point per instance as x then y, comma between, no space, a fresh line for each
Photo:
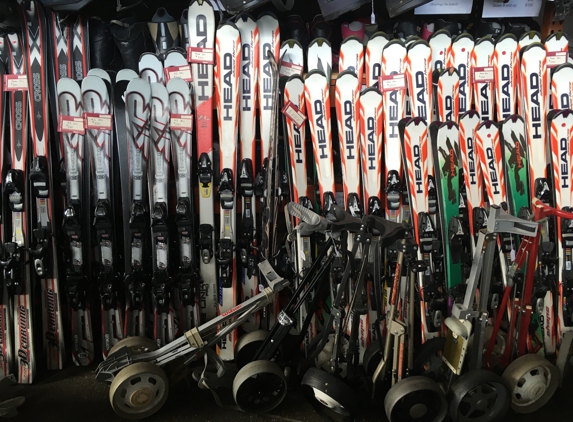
164,31
132,40
294,28
103,51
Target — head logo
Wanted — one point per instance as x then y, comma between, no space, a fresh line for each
417,169
246,81
267,79
462,99
449,107
200,70
228,88
320,134
492,170
505,90
421,86
349,130
471,161
392,113
534,107
564,153
484,101
371,130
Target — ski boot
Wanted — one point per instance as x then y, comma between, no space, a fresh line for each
103,51
132,40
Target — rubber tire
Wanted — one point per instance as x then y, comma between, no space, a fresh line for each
250,372
247,345
333,387
415,383
372,357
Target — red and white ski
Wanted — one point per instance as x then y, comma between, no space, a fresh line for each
483,77
374,48
352,57
460,59
506,71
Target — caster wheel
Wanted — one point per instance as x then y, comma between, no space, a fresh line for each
479,396
429,361
331,391
138,345
259,386
532,381
372,357
139,390
416,398
247,346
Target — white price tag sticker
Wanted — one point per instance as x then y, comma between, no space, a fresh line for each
200,55
556,58
483,74
15,83
98,121
292,112
71,124
183,72
289,69
511,8
395,82
183,122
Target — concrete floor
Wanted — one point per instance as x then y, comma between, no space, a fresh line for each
74,395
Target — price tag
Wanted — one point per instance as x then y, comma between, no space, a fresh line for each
98,121
15,83
511,8
183,72
71,124
183,122
395,82
200,55
483,74
292,112
445,7
289,69
555,58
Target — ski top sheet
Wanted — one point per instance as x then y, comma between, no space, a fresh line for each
534,89
201,19
562,86
471,166
557,47
137,107
446,150
419,76
561,133
159,163
317,97
525,39
227,75
269,41
352,57
248,87
80,48
441,44
373,66
414,138
75,226
489,151
96,105
15,190
43,249
513,140
182,154
460,59
175,65
151,68
483,77
292,58
506,71
371,123
447,87
394,99
319,56
347,92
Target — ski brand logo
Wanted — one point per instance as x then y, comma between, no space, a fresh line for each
52,321
391,131
371,127
246,81
535,111
563,148
462,72
23,323
420,79
565,103
449,107
320,134
202,77
297,144
505,87
471,161
228,89
452,163
376,71
518,155
417,169
267,79
349,132
37,87
492,170
484,102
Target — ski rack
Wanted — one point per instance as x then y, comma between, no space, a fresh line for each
195,341
460,323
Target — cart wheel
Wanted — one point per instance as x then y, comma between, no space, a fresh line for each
137,344
259,386
532,381
139,390
429,361
416,398
498,348
331,391
479,396
247,346
372,357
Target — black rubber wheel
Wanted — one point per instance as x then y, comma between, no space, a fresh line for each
331,391
247,345
372,357
428,361
479,396
259,386
416,398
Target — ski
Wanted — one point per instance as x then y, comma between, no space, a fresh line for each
557,47
446,90
352,57
506,70
562,86
42,248
292,58
512,134
374,48
159,163
151,68
319,56
441,43
80,48
460,59
483,77
248,84
201,20
227,74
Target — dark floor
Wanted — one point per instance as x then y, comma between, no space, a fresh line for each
74,395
